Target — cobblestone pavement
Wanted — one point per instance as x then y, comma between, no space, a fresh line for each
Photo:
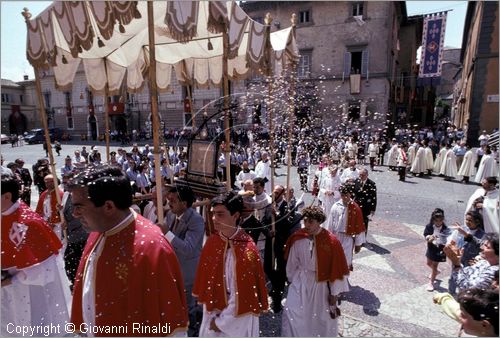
388,296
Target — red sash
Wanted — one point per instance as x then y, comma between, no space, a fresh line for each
210,286
330,257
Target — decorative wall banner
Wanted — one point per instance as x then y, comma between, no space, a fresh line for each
432,45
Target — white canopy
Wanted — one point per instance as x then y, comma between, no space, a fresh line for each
110,38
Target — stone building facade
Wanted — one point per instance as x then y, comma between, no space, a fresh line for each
476,96
352,53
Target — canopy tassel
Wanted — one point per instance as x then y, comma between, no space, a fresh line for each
99,42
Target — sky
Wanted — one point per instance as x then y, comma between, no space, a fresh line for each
13,30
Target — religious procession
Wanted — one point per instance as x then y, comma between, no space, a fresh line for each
253,228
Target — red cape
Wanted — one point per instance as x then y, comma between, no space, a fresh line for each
137,280
330,257
209,285
355,224
27,239
54,216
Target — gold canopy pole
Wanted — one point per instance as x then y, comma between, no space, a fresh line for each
291,121
106,111
227,113
154,112
43,115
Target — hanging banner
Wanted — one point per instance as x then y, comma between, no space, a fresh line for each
432,45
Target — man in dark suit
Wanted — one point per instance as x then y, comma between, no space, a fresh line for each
184,229
365,194
27,181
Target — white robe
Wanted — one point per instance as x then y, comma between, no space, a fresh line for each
429,160
419,165
39,295
439,160
264,170
306,310
392,156
487,168
467,168
411,154
337,222
246,325
491,212
449,164
329,184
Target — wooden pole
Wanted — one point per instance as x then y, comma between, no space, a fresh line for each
291,117
154,111
227,113
106,111
43,115
268,19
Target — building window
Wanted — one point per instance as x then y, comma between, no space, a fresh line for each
67,99
70,122
357,9
188,122
304,68
304,16
356,62
46,97
21,98
5,98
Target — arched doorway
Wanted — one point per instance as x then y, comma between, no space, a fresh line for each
92,121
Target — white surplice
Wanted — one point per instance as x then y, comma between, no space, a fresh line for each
337,223
306,312
39,295
449,164
467,167
491,211
246,325
487,168
263,170
329,184
419,163
439,160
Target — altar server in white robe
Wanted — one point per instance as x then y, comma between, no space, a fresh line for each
439,158
487,167
346,223
449,164
317,270
467,168
429,159
419,164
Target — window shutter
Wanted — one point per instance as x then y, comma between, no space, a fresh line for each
364,62
347,63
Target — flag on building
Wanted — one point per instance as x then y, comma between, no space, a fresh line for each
432,45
